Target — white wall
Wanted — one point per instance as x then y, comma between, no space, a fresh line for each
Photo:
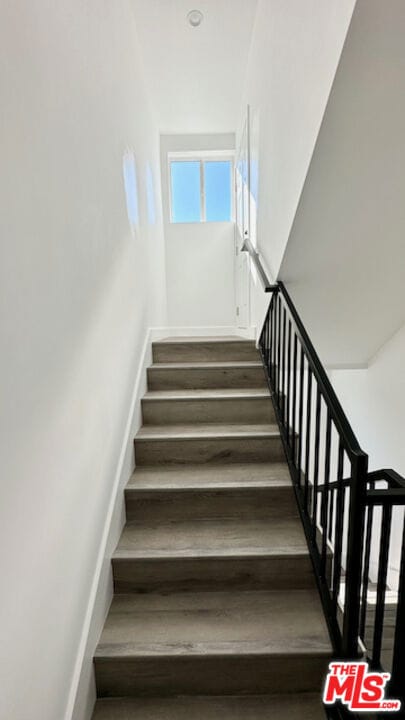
78,291
345,256
374,401
199,256
295,49
200,287
259,300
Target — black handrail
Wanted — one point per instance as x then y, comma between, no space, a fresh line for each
389,475
336,494
322,378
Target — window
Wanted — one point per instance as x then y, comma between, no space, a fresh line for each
186,191
200,188
217,190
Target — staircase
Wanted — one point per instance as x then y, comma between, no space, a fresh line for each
215,612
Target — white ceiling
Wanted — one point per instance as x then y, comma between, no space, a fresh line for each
195,75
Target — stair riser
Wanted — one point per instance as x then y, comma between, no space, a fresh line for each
195,378
302,706
209,675
233,351
218,573
150,506
246,410
202,450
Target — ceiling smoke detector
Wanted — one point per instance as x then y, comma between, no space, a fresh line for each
195,18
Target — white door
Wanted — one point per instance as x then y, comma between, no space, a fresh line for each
242,228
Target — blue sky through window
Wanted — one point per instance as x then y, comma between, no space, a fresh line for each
186,191
217,190
186,197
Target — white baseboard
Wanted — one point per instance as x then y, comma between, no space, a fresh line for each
158,333
82,690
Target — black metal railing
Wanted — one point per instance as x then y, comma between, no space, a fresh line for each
352,518
382,616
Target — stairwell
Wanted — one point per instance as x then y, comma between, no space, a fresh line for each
215,612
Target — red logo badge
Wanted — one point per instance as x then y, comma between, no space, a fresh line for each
359,689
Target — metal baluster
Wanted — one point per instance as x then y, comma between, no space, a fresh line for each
381,584
331,513
294,401
275,347
325,495
397,684
283,362
278,348
300,415
287,398
340,509
316,463
351,616
308,436
366,570
265,343
271,341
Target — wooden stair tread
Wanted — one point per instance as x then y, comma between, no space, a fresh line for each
214,537
301,706
207,394
203,339
202,477
206,431
276,623
204,365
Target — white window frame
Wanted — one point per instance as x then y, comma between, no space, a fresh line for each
202,157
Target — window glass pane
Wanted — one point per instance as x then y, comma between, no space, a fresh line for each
217,175
186,198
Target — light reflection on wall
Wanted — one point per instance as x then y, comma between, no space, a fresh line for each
131,188
150,195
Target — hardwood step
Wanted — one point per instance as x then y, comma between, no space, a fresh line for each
228,405
203,350
177,376
205,443
206,554
198,491
302,706
216,613
210,477
213,643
